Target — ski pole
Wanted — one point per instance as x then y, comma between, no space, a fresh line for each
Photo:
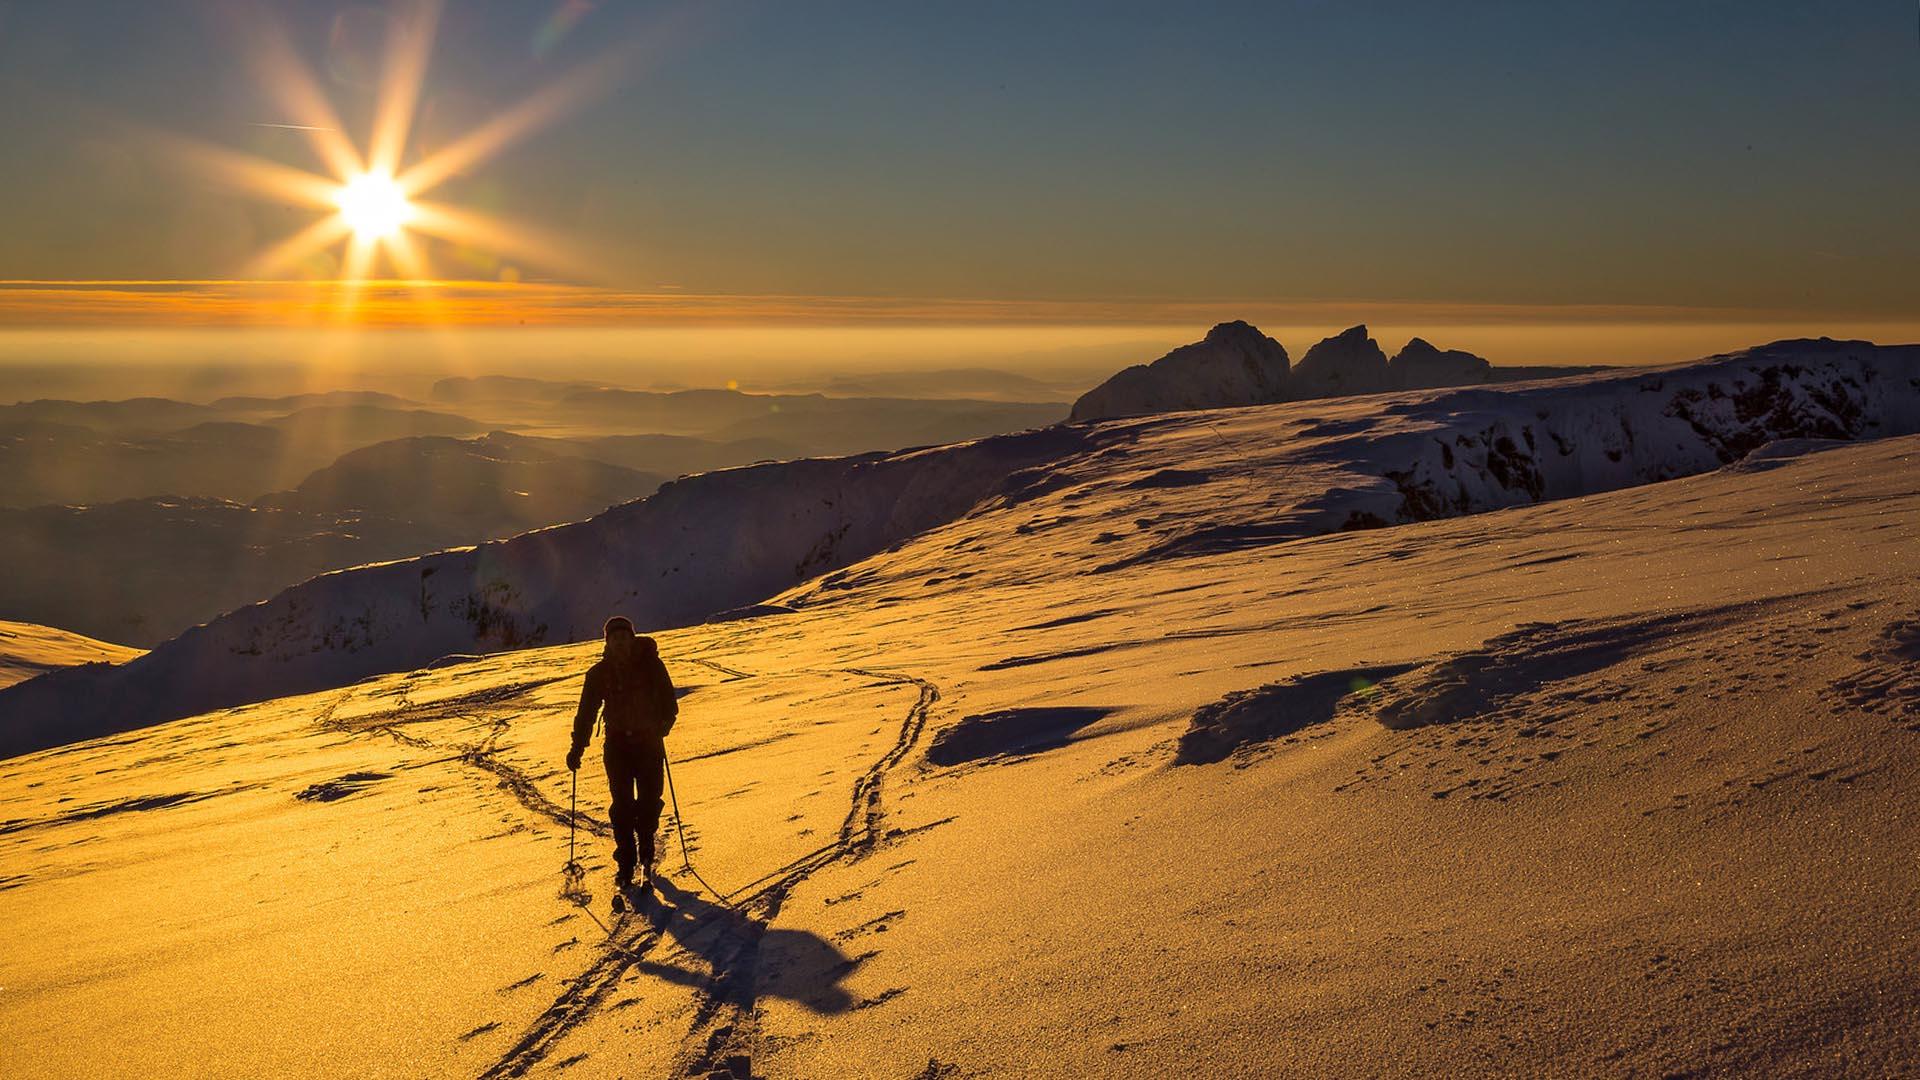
681,827
573,811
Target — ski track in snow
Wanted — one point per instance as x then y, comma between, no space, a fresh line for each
721,1030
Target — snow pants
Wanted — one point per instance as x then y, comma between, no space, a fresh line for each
635,776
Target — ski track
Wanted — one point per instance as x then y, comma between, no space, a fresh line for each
731,673
731,990
722,1028
480,755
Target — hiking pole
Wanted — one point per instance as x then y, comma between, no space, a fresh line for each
573,812
681,827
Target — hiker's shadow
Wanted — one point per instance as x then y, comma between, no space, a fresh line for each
745,958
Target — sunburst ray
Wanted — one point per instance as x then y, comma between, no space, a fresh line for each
371,201
295,249
407,55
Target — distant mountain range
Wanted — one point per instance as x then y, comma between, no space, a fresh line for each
142,570
71,452
137,519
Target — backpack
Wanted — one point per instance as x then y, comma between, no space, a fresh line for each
639,698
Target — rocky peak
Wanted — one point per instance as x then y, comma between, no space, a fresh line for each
1419,366
1349,362
1235,364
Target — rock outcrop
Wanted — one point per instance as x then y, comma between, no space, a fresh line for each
1238,365
1420,366
1234,365
1347,363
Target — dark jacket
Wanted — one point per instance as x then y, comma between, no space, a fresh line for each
638,698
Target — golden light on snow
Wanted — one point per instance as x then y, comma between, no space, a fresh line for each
374,206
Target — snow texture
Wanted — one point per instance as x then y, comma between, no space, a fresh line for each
1620,785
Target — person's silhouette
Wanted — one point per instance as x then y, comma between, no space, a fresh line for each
639,709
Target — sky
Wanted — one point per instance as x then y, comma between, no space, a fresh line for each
1071,163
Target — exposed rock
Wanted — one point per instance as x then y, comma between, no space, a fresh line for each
1347,363
1420,366
1235,365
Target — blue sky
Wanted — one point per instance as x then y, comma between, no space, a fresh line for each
1740,155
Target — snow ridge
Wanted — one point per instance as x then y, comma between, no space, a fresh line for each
698,546
1492,448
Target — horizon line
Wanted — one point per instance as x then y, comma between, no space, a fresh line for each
395,303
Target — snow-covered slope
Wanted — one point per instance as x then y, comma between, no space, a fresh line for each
718,541
699,546
1621,785
27,650
1469,450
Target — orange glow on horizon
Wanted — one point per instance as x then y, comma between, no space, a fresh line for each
1504,333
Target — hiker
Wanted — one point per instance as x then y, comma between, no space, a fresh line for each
632,683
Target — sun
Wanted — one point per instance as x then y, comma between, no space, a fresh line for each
374,206
375,203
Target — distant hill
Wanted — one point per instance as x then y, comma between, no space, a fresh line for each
145,414
45,461
292,402
142,570
1235,364
518,389
241,448
678,455
816,423
136,534
474,489
367,424
984,384
94,452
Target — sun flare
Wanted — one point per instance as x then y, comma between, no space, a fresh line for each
374,206
379,212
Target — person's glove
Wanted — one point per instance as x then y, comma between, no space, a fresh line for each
573,759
